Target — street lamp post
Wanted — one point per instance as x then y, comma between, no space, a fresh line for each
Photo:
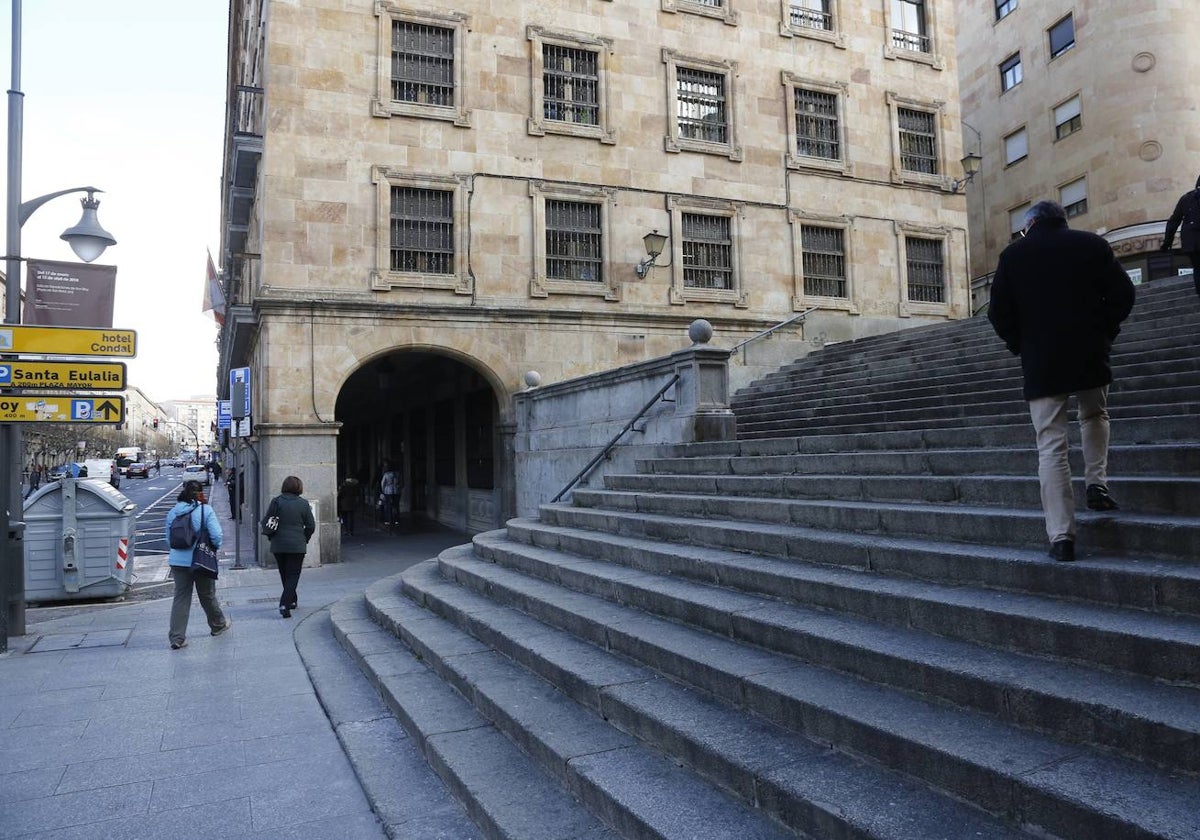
88,240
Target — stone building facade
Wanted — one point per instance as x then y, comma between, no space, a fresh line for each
1085,102
423,202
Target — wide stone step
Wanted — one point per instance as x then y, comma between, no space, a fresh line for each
792,779
1116,532
1145,495
505,794
1135,424
1140,582
879,628
1056,787
932,390
1182,459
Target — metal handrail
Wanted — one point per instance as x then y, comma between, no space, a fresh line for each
799,316
608,447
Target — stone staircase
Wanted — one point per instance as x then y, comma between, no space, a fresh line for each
841,625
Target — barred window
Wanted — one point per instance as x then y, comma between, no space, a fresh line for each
811,14
571,79
701,106
817,124
909,26
926,270
824,261
573,241
422,231
422,63
707,252
918,141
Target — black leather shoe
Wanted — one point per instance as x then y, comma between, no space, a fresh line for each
1063,551
285,612
1098,498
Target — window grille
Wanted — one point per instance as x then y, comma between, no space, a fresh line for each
700,101
908,26
918,142
811,14
716,4
817,124
824,261
422,231
571,84
707,252
573,241
422,63
926,274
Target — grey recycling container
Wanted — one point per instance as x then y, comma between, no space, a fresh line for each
79,541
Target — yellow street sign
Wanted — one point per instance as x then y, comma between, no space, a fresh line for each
68,341
101,409
63,376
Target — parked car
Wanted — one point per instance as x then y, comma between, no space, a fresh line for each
137,470
197,472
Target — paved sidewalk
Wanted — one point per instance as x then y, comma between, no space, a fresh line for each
105,732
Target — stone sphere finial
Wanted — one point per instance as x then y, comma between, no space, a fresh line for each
700,331
533,379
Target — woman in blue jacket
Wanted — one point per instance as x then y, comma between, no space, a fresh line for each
192,503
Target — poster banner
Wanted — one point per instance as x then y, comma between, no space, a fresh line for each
67,294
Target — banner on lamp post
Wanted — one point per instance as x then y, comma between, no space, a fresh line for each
67,294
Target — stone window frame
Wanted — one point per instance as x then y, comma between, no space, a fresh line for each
903,230
1006,67
1004,144
680,294
382,105
673,141
1069,16
795,160
933,58
937,107
382,278
539,126
797,219
1055,125
540,286
1070,208
724,12
835,36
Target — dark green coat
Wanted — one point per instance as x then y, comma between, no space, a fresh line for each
296,524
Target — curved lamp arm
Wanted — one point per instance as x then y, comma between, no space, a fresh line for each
25,210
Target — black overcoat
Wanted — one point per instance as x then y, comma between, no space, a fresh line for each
1058,299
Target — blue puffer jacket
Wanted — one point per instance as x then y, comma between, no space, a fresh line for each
183,556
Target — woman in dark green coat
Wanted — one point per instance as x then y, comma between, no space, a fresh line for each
290,540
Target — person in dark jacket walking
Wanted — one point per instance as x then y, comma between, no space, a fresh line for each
290,541
1186,219
1058,299
191,502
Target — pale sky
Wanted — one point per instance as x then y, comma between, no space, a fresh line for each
129,96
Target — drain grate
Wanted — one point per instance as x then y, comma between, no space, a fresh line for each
73,641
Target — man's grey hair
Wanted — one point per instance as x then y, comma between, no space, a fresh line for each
1045,210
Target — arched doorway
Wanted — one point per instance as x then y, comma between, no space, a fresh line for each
437,420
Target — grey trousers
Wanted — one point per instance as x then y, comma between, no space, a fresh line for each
181,607
1049,416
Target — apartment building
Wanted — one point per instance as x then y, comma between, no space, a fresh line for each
1084,102
425,202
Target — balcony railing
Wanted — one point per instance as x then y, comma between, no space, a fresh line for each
911,41
802,18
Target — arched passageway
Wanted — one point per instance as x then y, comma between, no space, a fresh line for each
437,420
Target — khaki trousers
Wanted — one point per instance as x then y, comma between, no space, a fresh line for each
1049,415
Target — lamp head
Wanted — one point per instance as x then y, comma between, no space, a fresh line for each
971,163
654,242
87,239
